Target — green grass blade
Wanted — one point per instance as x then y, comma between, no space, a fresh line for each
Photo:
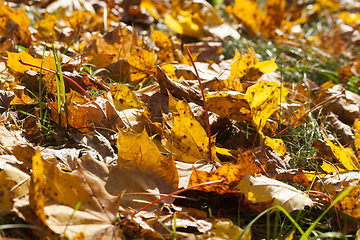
313,225
247,228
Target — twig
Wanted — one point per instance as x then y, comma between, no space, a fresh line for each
186,47
173,193
327,196
312,109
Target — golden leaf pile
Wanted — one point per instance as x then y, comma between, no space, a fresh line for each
76,168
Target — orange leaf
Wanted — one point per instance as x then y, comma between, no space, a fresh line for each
232,174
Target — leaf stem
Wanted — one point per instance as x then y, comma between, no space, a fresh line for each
175,193
48,70
312,109
186,47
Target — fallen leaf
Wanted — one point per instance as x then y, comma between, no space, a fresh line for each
229,172
230,105
14,64
14,183
124,98
84,117
264,100
188,141
141,168
262,189
73,202
344,156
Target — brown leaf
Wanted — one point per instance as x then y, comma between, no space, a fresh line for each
177,90
14,182
55,194
99,113
118,41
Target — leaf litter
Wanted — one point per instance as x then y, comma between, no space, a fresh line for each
100,167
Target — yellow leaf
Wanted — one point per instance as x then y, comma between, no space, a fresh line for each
54,194
357,135
232,106
232,173
249,13
119,42
38,182
330,168
76,97
164,44
267,66
141,64
173,23
169,70
20,96
349,17
225,229
263,100
124,98
242,63
345,156
150,6
186,60
46,27
223,151
181,107
141,168
20,22
231,83
276,144
188,141
15,65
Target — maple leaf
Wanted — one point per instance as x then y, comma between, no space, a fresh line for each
262,189
14,182
232,173
187,140
344,155
249,13
190,19
264,100
85,116
46,27
165,46
14,22
54,194
141,169
232,106
14,64
123,98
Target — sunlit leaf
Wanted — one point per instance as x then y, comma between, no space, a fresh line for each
46,26
232,174
188,141
54,194
15,65
344,155
263,100
124,98
165,46
232,106
141,168
261,189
